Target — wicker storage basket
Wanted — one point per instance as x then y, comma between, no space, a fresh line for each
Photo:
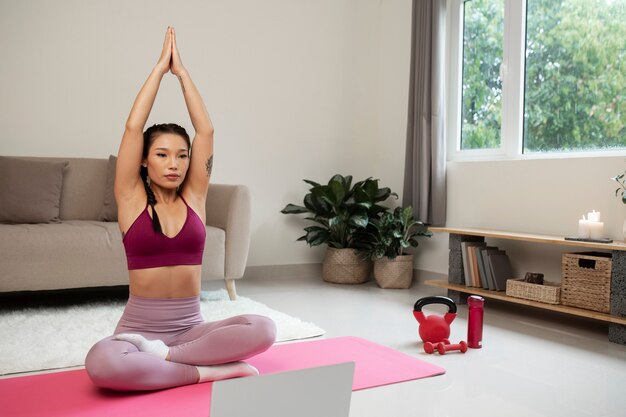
549,292
394,273
586,281
344,266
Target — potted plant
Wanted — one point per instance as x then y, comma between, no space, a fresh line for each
341,210
389,236
621,190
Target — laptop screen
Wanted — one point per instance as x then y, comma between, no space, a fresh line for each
315,392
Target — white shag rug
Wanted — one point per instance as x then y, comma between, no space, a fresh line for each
59,337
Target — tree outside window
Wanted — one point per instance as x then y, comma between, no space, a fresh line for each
575,75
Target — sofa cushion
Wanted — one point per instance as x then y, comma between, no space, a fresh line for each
78,254
30,191
72,254
109,207
83,189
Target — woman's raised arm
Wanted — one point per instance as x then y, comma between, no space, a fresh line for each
127,179
197,182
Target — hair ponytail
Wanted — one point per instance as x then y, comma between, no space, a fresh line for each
156,224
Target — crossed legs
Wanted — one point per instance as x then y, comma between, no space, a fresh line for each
206,351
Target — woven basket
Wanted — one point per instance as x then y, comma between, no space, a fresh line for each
549,292
394,273
344,266
586,281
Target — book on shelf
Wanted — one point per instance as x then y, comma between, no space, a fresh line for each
469,263
465,259
465,262
474,272
491,284
482,270
501,269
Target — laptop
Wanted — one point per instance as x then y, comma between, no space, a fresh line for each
315,392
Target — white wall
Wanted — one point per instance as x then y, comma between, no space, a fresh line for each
293,88
534,196
296,89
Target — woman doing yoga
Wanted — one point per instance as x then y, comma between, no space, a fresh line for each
161,341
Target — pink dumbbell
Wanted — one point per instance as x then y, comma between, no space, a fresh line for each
430,347
443,348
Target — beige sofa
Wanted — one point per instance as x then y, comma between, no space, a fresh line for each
78,249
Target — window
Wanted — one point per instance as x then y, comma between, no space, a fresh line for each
537,77
482,86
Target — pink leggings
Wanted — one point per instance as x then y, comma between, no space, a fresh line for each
178,322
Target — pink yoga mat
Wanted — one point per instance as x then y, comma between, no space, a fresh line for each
71,393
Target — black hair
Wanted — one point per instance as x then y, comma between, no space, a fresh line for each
149,136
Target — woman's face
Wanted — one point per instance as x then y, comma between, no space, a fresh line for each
168,161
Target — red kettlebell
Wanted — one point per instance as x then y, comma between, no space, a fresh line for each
434,328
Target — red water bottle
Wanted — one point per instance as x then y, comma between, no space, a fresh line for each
475,321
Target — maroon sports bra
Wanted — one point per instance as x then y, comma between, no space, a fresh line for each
145,248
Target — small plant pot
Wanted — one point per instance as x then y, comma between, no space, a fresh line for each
344,266
394,273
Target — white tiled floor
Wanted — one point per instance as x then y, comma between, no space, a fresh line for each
533,363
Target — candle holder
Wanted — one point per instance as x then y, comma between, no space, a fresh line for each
582,239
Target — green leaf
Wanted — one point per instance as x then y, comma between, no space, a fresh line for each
371,188
308,202
340,179
317,242
313,183
293,209
358,220
335,244
316,238
407,217
321,220
360,195
321,200
384,193
314,229
347,182
364,205
334,221
336,191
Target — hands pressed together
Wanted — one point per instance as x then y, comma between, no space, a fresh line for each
170,57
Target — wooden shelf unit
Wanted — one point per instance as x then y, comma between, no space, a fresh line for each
529,237
456,284
501,295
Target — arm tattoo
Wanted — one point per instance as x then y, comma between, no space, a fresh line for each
209,166
181,83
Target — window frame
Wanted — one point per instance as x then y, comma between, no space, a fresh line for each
512,72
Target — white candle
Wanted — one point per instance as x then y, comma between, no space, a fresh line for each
583,228
593,216
596,230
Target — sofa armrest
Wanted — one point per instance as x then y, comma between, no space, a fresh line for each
228,207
